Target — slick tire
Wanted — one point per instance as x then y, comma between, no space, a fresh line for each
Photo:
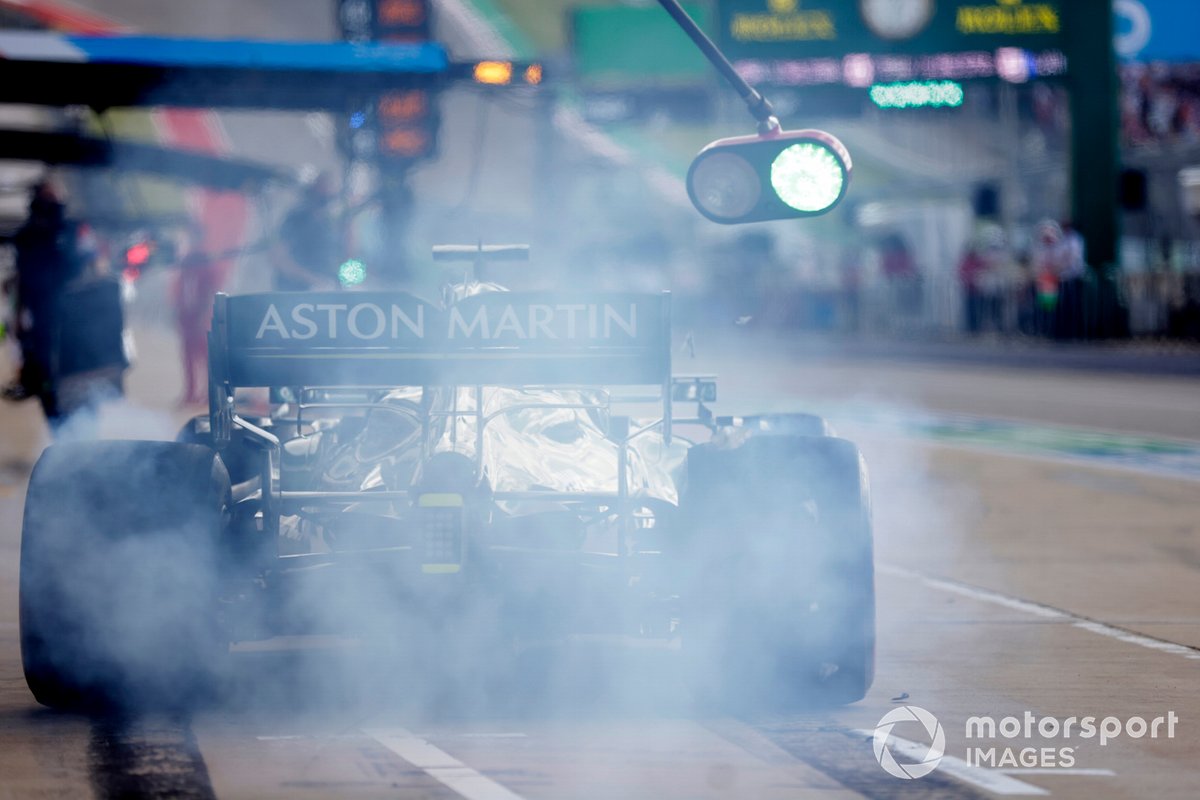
778,592
119,575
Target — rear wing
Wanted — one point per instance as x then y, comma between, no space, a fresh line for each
397,339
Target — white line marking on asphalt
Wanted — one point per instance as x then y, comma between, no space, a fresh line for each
440,765
1043,611
990,780
974,592
1138,639
1083,771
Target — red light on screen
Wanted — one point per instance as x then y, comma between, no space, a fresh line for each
403,105
401,12
403,141
138,254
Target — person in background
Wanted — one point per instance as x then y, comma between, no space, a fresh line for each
850,272
308,250
1069,321
1026,294
70,319
1048,255
987,275
197,281
971,269
904,280
46,263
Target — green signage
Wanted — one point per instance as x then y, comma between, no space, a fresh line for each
917,94
619,45
799,29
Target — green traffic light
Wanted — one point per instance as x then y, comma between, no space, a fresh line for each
808,177
773,175
352,272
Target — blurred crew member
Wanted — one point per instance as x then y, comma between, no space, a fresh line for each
970,273
900,271
308,251
199,278
46,262
851,274
1071,278
986,272
1048,256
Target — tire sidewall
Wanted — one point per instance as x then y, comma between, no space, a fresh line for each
119,573
777,583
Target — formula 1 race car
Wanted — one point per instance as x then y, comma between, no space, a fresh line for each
425,461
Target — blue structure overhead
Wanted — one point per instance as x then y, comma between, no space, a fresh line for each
425,57
45,68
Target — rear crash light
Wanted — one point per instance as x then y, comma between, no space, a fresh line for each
440,520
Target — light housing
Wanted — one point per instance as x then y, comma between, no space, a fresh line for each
778,175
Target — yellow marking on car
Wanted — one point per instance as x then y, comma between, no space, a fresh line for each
441,569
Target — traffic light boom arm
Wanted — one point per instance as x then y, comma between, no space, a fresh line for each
777,174
758,105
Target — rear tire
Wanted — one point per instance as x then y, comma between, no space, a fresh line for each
778,588
119,578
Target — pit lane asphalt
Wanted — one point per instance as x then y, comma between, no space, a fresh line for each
1007,584
1108,546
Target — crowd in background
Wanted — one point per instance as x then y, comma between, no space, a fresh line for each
1037,292
1160,103
1037,284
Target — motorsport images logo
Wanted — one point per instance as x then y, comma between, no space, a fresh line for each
927,762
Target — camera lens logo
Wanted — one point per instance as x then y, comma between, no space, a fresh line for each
926,762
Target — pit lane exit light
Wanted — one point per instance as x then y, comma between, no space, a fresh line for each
781,175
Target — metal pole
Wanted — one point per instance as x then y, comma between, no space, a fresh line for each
622,497
1095,151
758,105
